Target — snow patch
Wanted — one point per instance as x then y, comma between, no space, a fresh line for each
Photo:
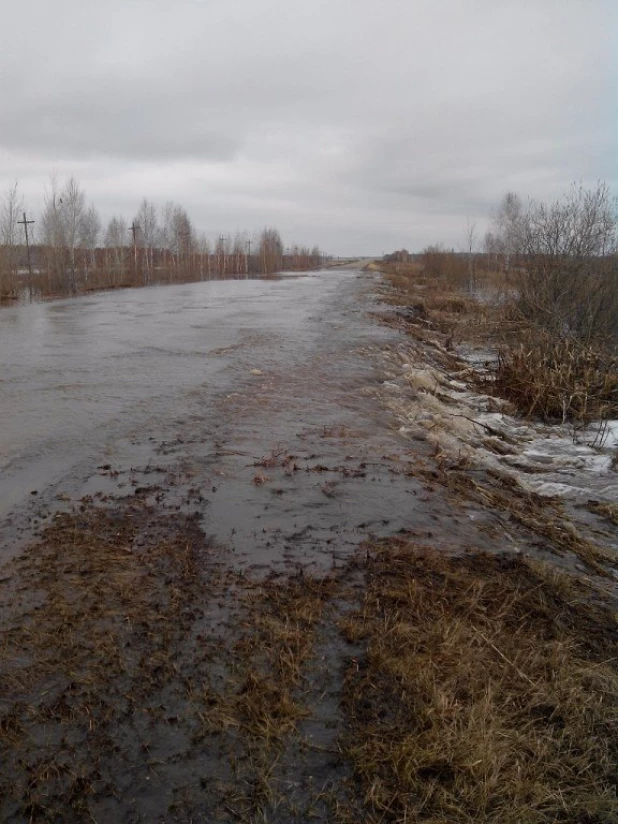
549,460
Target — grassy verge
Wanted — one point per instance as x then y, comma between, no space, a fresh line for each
488,693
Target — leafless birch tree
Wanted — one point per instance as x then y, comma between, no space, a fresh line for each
10,242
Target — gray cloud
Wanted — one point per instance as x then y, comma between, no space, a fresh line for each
355,124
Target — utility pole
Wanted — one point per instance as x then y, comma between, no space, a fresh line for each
248,256
135,227
222,254
25,224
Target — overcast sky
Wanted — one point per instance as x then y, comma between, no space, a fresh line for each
360,125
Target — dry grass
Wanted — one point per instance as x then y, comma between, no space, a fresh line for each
415,275
266,697
547,379
544,374
558,380
477,690
111,669
271,657
607,511
441,305
488,693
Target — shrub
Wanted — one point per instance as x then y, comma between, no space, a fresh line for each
565,262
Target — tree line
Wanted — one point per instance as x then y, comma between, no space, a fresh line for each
72,251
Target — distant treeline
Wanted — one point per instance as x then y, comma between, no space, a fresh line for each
74,253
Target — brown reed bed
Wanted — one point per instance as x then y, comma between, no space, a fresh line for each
558,379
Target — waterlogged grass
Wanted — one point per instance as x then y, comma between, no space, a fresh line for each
488,693
543,517
607,511
139,681
92,647
136,675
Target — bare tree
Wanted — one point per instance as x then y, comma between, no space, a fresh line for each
63,224
491,247
203,248
239,252
89,236
165,246
115,244
270,251
221,255
54,238
10,212
73,210
184,238
149,235
506,228
470,247
168,238
568,278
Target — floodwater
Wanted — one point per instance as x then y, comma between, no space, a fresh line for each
252,403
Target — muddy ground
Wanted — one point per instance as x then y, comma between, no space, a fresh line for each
229,620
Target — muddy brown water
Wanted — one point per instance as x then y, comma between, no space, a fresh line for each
187,390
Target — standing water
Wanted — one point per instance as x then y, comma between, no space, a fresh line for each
198,386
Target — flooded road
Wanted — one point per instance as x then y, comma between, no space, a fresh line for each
191,479
77,375
251,403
